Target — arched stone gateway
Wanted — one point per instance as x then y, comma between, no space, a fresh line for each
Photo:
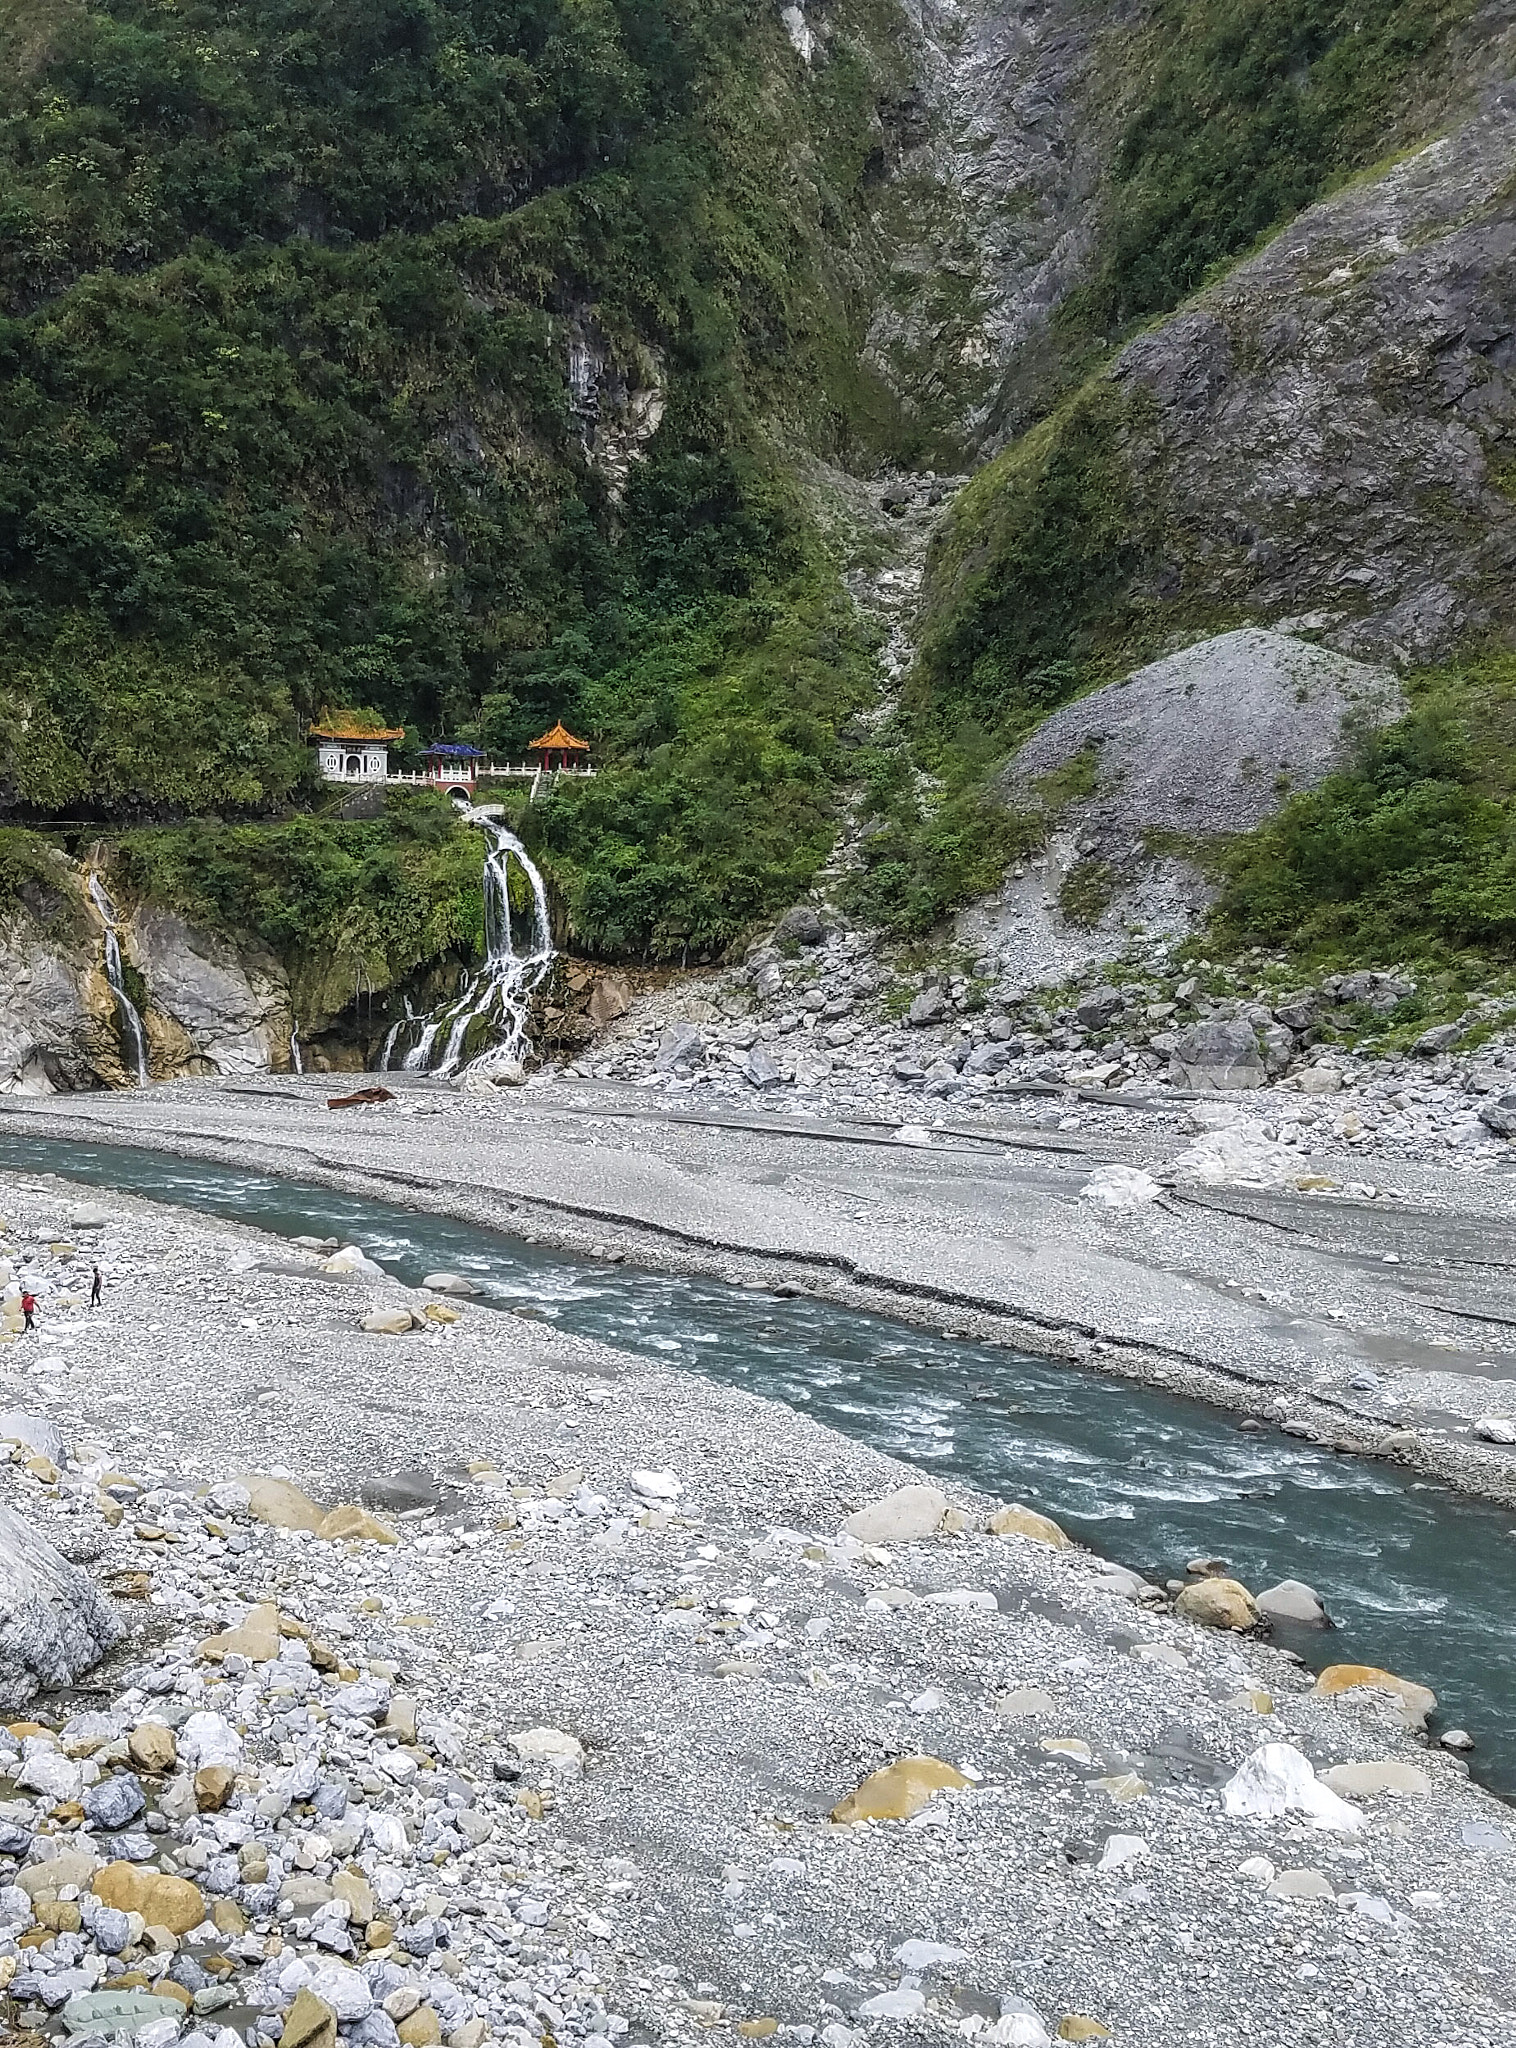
350,748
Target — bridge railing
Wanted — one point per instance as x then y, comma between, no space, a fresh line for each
489,771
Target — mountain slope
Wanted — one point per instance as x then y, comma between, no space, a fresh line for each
469,361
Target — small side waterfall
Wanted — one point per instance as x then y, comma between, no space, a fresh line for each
484,1030
297,1065
133,1037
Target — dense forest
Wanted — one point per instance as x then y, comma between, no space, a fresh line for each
285,418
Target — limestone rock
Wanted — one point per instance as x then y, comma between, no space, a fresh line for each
352,1260
309,2023
420,2029
802,925
387,1322
1217,1055
1294,1601
171,1902
552,1746
1368,1780
213,1787
55,1623
255,1637
899,1790
929,1007
610,998
1019,1521
359,1894
1300,1884
233,1008
38,1433
280,1503
1024,1703
1218,1603
1414,1701
908,1515
69,1867
1277,1780
680,1045
349,1524
227,1917
450,1283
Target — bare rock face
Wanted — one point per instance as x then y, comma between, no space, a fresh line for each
1327,431
1208,740
44,1022
1006,99
233,1016
55,1623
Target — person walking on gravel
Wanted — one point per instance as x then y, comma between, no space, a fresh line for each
28,1311
94,1289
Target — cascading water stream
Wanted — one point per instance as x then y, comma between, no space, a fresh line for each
484,1030
133,1037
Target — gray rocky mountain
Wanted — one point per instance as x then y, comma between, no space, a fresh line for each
1329,429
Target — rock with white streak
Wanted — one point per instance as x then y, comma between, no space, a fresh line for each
55,1623
1277,1780
207,1739
1496,1429
664,1486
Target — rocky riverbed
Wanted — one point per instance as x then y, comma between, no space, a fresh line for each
816,1021
480,1684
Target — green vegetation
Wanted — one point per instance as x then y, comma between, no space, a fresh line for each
1087,892
719,801
287,305
1247,111
931,843
27,867
1408,856
349,907
1049,578
1028,582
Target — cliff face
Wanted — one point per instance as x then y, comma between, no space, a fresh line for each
515,414
1320,436
1330,430
205,1007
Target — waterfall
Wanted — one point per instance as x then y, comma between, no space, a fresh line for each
497,997
297,1065
133,1037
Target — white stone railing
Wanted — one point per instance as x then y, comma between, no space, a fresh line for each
488,771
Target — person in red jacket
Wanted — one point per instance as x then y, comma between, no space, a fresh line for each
28,1311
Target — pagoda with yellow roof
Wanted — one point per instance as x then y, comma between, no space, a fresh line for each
558,748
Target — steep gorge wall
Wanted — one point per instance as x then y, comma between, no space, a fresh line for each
1318,437
207,1007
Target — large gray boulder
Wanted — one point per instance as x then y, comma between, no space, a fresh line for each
1217,1055
55,1623
680,1046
